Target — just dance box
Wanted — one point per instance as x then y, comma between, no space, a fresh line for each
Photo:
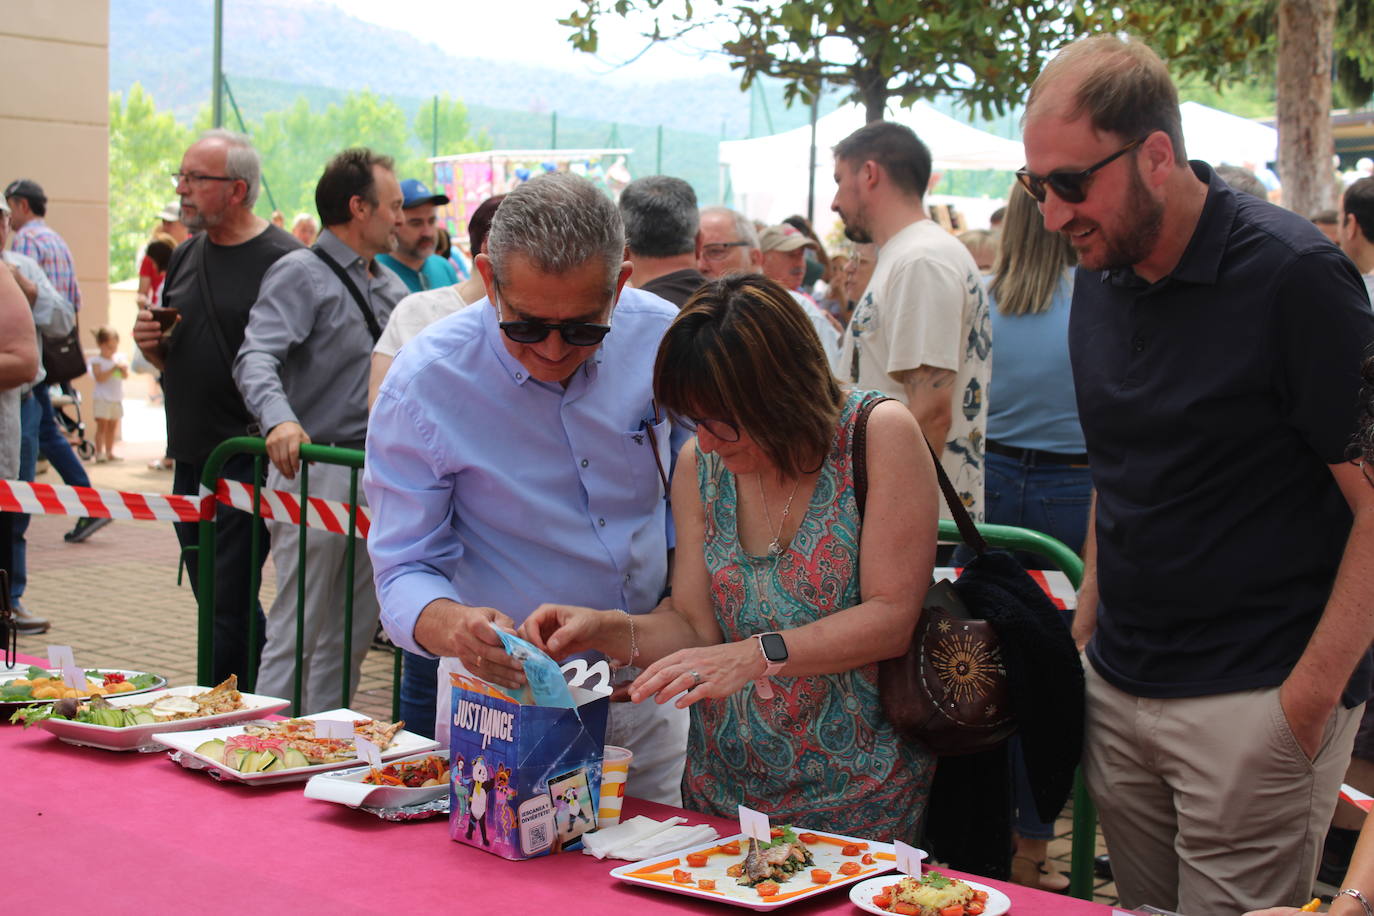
524,778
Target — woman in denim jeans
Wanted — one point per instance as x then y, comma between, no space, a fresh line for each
1035,471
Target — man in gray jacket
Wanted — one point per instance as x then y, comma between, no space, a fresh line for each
303,371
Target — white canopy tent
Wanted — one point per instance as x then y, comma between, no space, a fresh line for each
1217,136
769,174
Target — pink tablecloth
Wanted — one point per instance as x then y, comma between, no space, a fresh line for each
107,833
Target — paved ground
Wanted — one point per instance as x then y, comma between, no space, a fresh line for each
115,598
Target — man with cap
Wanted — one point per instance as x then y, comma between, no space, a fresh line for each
33,237
413,259
170,222
784,262
28,206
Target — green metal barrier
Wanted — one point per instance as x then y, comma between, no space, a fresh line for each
205,651
1068,562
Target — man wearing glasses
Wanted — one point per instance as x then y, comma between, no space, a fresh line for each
729,244
1216,343
212,281
515,456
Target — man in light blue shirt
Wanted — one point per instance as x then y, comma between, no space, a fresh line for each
413,259
514,455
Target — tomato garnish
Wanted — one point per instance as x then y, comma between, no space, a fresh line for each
730,848
706,884
808,838
867,858
820,876
775,832
852,849
113,677
682,877
850,868
767,888
696,859
882,901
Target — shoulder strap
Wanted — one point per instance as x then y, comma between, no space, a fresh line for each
858,443
202,269
373,327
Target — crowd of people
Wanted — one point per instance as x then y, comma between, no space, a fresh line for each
630,431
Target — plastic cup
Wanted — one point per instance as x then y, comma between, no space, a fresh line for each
615,769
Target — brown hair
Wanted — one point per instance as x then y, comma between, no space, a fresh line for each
1122,86
742,350
893,146
1031,259
346,176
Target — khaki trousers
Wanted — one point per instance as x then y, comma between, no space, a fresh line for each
1208,804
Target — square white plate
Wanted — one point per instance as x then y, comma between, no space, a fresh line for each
657,872
134,737
347,788
185,743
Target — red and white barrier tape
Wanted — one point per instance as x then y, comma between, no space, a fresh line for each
91,502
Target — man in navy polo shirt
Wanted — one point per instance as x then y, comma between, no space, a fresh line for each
1216,342
413,259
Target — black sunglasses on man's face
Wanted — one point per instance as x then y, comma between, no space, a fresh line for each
1070,187
532,331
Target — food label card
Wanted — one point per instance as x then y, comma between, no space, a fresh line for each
72,676
333,728
909,858
367,752
60,657
754,824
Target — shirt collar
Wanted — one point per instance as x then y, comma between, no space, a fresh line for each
1201,260
337,249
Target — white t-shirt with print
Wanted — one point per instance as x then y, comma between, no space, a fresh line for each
925,306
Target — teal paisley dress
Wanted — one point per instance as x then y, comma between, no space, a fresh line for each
820,754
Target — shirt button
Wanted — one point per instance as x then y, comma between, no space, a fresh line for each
584,462
1138,344
519,375
627,577
601,522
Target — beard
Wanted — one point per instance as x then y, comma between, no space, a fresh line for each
856,234
1136,240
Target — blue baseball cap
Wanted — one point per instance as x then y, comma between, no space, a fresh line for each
416,193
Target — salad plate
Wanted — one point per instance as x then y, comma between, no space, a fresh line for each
833,853
140,737
346,787
862,894
13,696
184,746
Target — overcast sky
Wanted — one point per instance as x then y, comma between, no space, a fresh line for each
528,31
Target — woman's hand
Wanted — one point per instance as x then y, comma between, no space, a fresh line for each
564,629
706,671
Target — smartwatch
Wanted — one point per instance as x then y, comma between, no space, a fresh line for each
774,650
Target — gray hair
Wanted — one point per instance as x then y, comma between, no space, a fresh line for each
743,227
560,221
1242,179
660,214
240,161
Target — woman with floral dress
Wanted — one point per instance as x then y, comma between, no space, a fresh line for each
782,602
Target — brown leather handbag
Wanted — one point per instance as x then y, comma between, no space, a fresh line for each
950,691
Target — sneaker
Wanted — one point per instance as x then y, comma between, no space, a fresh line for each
27,623
85,527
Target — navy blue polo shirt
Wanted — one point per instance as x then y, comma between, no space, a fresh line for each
1212,402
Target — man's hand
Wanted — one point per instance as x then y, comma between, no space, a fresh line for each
1085,612
148,336
27,286
284,447
1307,712
455,630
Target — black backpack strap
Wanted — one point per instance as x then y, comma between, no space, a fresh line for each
373,327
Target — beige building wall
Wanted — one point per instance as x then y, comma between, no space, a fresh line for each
55,129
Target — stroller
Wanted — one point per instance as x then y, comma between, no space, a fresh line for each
72,424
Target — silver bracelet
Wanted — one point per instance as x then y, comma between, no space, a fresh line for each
634,648
1351,892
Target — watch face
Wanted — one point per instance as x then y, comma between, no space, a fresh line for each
774,648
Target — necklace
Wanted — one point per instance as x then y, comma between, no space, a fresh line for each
775,545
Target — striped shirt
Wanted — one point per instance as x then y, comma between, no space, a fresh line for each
46,247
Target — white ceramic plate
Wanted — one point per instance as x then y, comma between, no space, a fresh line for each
346,787
861,895
657,872
17,673
134,737
185,743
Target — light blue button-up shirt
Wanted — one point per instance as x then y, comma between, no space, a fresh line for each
493,489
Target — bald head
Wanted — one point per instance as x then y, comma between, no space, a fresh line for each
1120,85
